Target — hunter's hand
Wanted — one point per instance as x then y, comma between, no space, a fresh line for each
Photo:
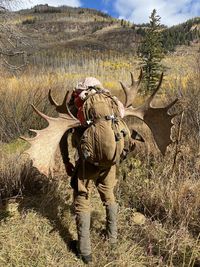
69,167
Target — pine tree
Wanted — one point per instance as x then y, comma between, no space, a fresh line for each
151,52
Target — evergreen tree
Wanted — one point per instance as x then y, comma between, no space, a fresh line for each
151,52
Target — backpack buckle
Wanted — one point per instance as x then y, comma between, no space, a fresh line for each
110,117
88,122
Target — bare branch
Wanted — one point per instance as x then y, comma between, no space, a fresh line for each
12,45
11,54
13,67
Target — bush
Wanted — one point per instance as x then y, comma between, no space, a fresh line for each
31,20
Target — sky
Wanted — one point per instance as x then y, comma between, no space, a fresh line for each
172,12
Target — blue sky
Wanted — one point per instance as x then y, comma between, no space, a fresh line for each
103,5
171,11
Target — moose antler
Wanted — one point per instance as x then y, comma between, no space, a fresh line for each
131,91
63,107
157,119
44,144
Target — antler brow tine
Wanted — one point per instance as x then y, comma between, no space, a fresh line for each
47,118
150,99
63,107
51,99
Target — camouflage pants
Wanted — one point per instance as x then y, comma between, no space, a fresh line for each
86,174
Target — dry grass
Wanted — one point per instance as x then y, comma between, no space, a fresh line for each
47,223
17,93
36,215
46,220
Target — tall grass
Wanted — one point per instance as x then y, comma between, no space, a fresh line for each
168,196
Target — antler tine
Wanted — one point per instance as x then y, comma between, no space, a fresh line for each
132,79
125,89
150,99
47,118
27,139
131,91
140,76
51,99
66,98
63,107
31,139
171,104
34,131
136,82
70,114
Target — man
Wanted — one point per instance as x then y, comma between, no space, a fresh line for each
85,173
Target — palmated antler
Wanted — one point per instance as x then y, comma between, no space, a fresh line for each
131,91
63,107
157,119
44,144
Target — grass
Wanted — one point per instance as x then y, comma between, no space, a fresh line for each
48,225
158,206
166,236
15,146
47,222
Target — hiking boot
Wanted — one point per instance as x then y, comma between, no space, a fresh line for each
87,259
73,246
83,230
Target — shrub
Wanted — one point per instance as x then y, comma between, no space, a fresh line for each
29,20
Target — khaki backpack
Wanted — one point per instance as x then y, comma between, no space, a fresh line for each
107,137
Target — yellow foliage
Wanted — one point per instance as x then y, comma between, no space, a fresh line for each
116,65
111,85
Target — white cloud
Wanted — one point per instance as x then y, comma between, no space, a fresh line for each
31,3
171,11
105,11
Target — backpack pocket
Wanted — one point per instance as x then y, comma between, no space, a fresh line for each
98,144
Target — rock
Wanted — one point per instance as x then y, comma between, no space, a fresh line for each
138,218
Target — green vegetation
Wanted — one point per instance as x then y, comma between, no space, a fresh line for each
14,146
182,34
151,53
30,20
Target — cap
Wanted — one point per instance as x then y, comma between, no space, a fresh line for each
88,82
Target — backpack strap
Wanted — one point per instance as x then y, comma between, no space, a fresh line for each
85,105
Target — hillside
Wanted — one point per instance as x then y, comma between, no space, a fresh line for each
62,28
94,33
182,34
